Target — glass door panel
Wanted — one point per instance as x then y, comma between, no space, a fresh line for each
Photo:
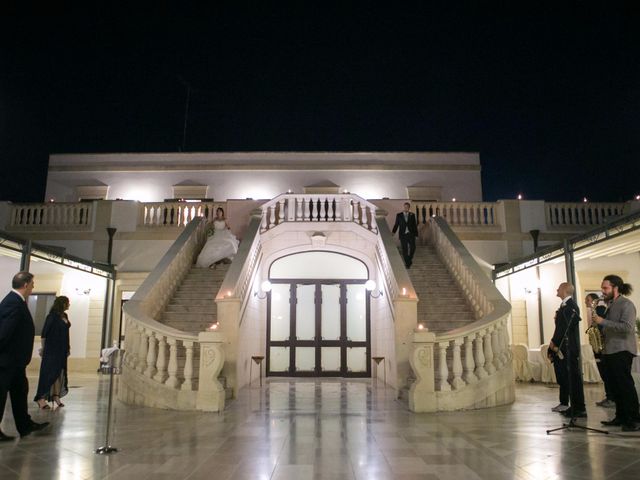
330,327
356,313
279,359
305,312
280,312
305,359
330,359
357,359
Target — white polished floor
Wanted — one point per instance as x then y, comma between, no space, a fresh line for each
307,429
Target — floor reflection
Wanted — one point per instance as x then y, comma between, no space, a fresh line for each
307,428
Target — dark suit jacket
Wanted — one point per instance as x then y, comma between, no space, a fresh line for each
565,314
402,225
16,332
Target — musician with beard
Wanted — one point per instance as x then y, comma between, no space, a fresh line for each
564,352
619,349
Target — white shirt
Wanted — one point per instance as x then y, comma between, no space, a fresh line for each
21,296
406,222
564,301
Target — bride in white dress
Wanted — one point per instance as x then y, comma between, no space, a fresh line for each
222,244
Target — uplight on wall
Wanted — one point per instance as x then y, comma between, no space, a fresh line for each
265,288
370,286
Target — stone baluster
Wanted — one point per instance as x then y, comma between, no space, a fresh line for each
188,366
272,216
479,372
497,350
356,213
443,369
339,208
281,210
264,224
299,205
504,335
291,208
151,357
488,352
365,220
322,210
469,364
307,209
172,381
456,368
374,225
331,209
142,350
346,209
161,364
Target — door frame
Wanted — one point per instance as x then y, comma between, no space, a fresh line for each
317,342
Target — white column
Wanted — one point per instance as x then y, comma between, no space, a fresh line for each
172,381
469,364
188,366
161,364
457,381
479,372
443,370
151,357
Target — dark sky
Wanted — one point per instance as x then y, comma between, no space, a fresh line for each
550,99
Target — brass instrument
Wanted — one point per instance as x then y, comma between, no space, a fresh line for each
594,334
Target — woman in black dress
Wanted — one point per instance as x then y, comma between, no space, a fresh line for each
55,349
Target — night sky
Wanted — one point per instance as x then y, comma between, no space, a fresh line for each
550,99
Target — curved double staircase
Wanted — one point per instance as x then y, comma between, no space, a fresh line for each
460,360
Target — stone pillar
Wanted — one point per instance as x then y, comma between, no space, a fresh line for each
422,395
210,391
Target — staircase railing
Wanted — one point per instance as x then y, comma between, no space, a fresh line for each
476,355
148,366
345,207
52,216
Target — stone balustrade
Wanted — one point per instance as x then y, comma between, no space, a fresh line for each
452,368
176,214
319,208
581,214
160,366
459,214
51,216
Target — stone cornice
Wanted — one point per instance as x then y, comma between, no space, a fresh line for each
265,161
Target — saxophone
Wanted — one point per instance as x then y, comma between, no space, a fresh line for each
594,334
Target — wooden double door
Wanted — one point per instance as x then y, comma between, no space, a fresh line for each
318,328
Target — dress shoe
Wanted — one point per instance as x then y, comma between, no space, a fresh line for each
6,438
630,427
560,408
571,414
34,427
611,423
606,403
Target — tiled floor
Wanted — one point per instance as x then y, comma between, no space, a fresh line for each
327,429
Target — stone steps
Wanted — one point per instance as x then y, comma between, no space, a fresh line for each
442,305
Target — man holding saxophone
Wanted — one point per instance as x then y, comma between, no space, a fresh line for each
619,349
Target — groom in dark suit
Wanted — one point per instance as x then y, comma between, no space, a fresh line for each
406,223
16,348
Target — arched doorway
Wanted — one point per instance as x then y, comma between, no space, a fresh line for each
318,316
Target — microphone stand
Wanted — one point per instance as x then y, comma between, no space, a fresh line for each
572,421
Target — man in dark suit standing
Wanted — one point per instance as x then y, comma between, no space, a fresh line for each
16,347
406,223
565,354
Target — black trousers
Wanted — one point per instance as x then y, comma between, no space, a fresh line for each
602,370
569,378
14,382
408,244
618,367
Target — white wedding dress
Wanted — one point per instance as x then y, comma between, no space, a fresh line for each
222,244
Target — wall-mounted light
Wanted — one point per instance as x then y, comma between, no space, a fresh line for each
289,191
265,288
213,326
453,199
370,286
519,196
83,291
422,326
